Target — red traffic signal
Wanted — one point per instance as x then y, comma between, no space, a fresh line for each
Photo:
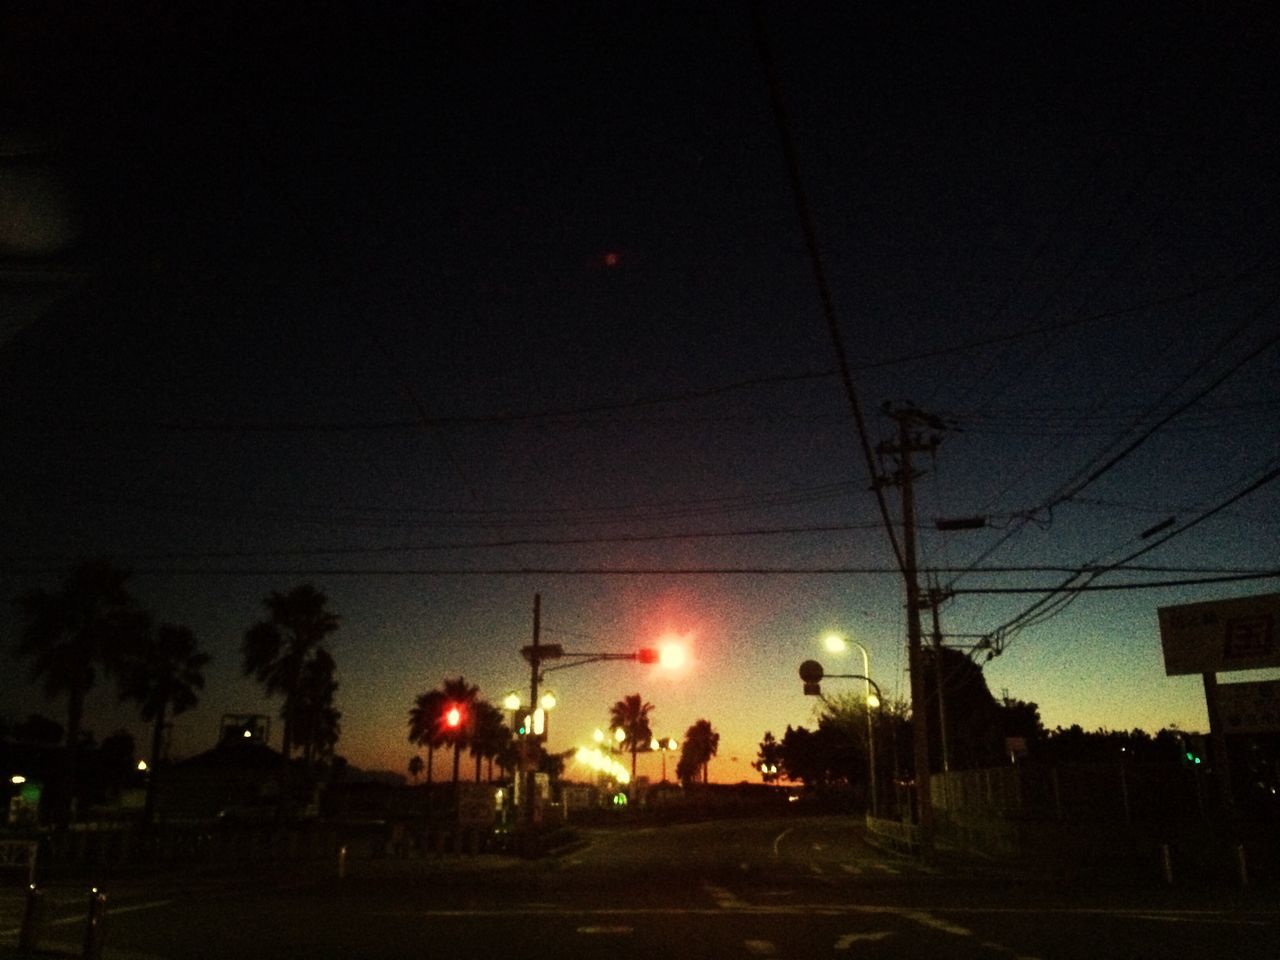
453,717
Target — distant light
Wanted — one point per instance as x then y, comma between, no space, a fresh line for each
792,798
671,743
872,700
539,722
142,766
835,643
548,701
619,734
511,701
17,778
671,656
598,735
453,717
653,744
612,259
247,734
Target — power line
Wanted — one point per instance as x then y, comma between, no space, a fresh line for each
805,214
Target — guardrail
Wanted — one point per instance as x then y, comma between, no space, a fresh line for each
895,833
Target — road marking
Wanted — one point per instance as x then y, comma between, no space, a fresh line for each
595,930
1001,948
1170,918
760,948
934,923
818,847
885,868
80,918
814,868
778,839
845,942
850,868
724,899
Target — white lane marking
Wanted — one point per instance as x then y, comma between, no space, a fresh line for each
760,948
724,899
1170,918
934,923
777,893
814,868
845,942
850,868
617,929
818,847
885,868
778,839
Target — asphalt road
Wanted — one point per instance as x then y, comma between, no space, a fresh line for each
795,888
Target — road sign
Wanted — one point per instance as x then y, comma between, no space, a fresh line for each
546,651
1221,635
1250,707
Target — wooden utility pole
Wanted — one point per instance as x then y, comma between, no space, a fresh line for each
909,442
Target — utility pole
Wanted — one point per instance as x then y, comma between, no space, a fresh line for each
910,441
533,751
936,597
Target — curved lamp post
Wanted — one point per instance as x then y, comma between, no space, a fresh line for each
812,673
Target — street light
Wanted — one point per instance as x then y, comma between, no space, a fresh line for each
663,746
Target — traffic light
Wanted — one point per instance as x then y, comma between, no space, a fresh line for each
453,717
1195,752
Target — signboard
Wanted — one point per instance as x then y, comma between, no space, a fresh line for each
477,804
1250,707
1221,635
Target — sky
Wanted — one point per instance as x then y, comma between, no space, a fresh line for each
441,309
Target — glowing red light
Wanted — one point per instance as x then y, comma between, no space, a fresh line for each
611,259
453,717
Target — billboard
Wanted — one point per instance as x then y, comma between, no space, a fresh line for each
1221,635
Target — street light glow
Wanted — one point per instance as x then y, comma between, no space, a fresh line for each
511,701
835,643
872,700
548,701
671,656
17,779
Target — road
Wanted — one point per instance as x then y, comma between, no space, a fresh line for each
788,888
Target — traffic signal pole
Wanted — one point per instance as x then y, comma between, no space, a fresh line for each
531,756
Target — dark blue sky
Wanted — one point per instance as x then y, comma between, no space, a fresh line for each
302,236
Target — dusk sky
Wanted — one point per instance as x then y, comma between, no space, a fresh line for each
404,303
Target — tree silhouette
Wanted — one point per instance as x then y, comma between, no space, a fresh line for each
488,734
69,635
415,767
769,758
426,718
700,744
631,714
458,693
277,650
312,717
162,674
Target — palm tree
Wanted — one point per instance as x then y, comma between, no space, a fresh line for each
311,714
425,722
631,714
462,695
162,675
488,734
700,744
415,767
276,650
68,636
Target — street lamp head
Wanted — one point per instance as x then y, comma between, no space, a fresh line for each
619,734
598,735
511,701
835,643
873,701
548,701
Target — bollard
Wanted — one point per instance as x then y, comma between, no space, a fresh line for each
29,934
342,861
1242,865
95,926
1167,861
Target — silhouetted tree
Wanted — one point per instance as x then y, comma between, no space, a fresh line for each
415,767
458,693
700,744
488,734
769,758
162,674
426,718
312,716
277,650
631,714
68,636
